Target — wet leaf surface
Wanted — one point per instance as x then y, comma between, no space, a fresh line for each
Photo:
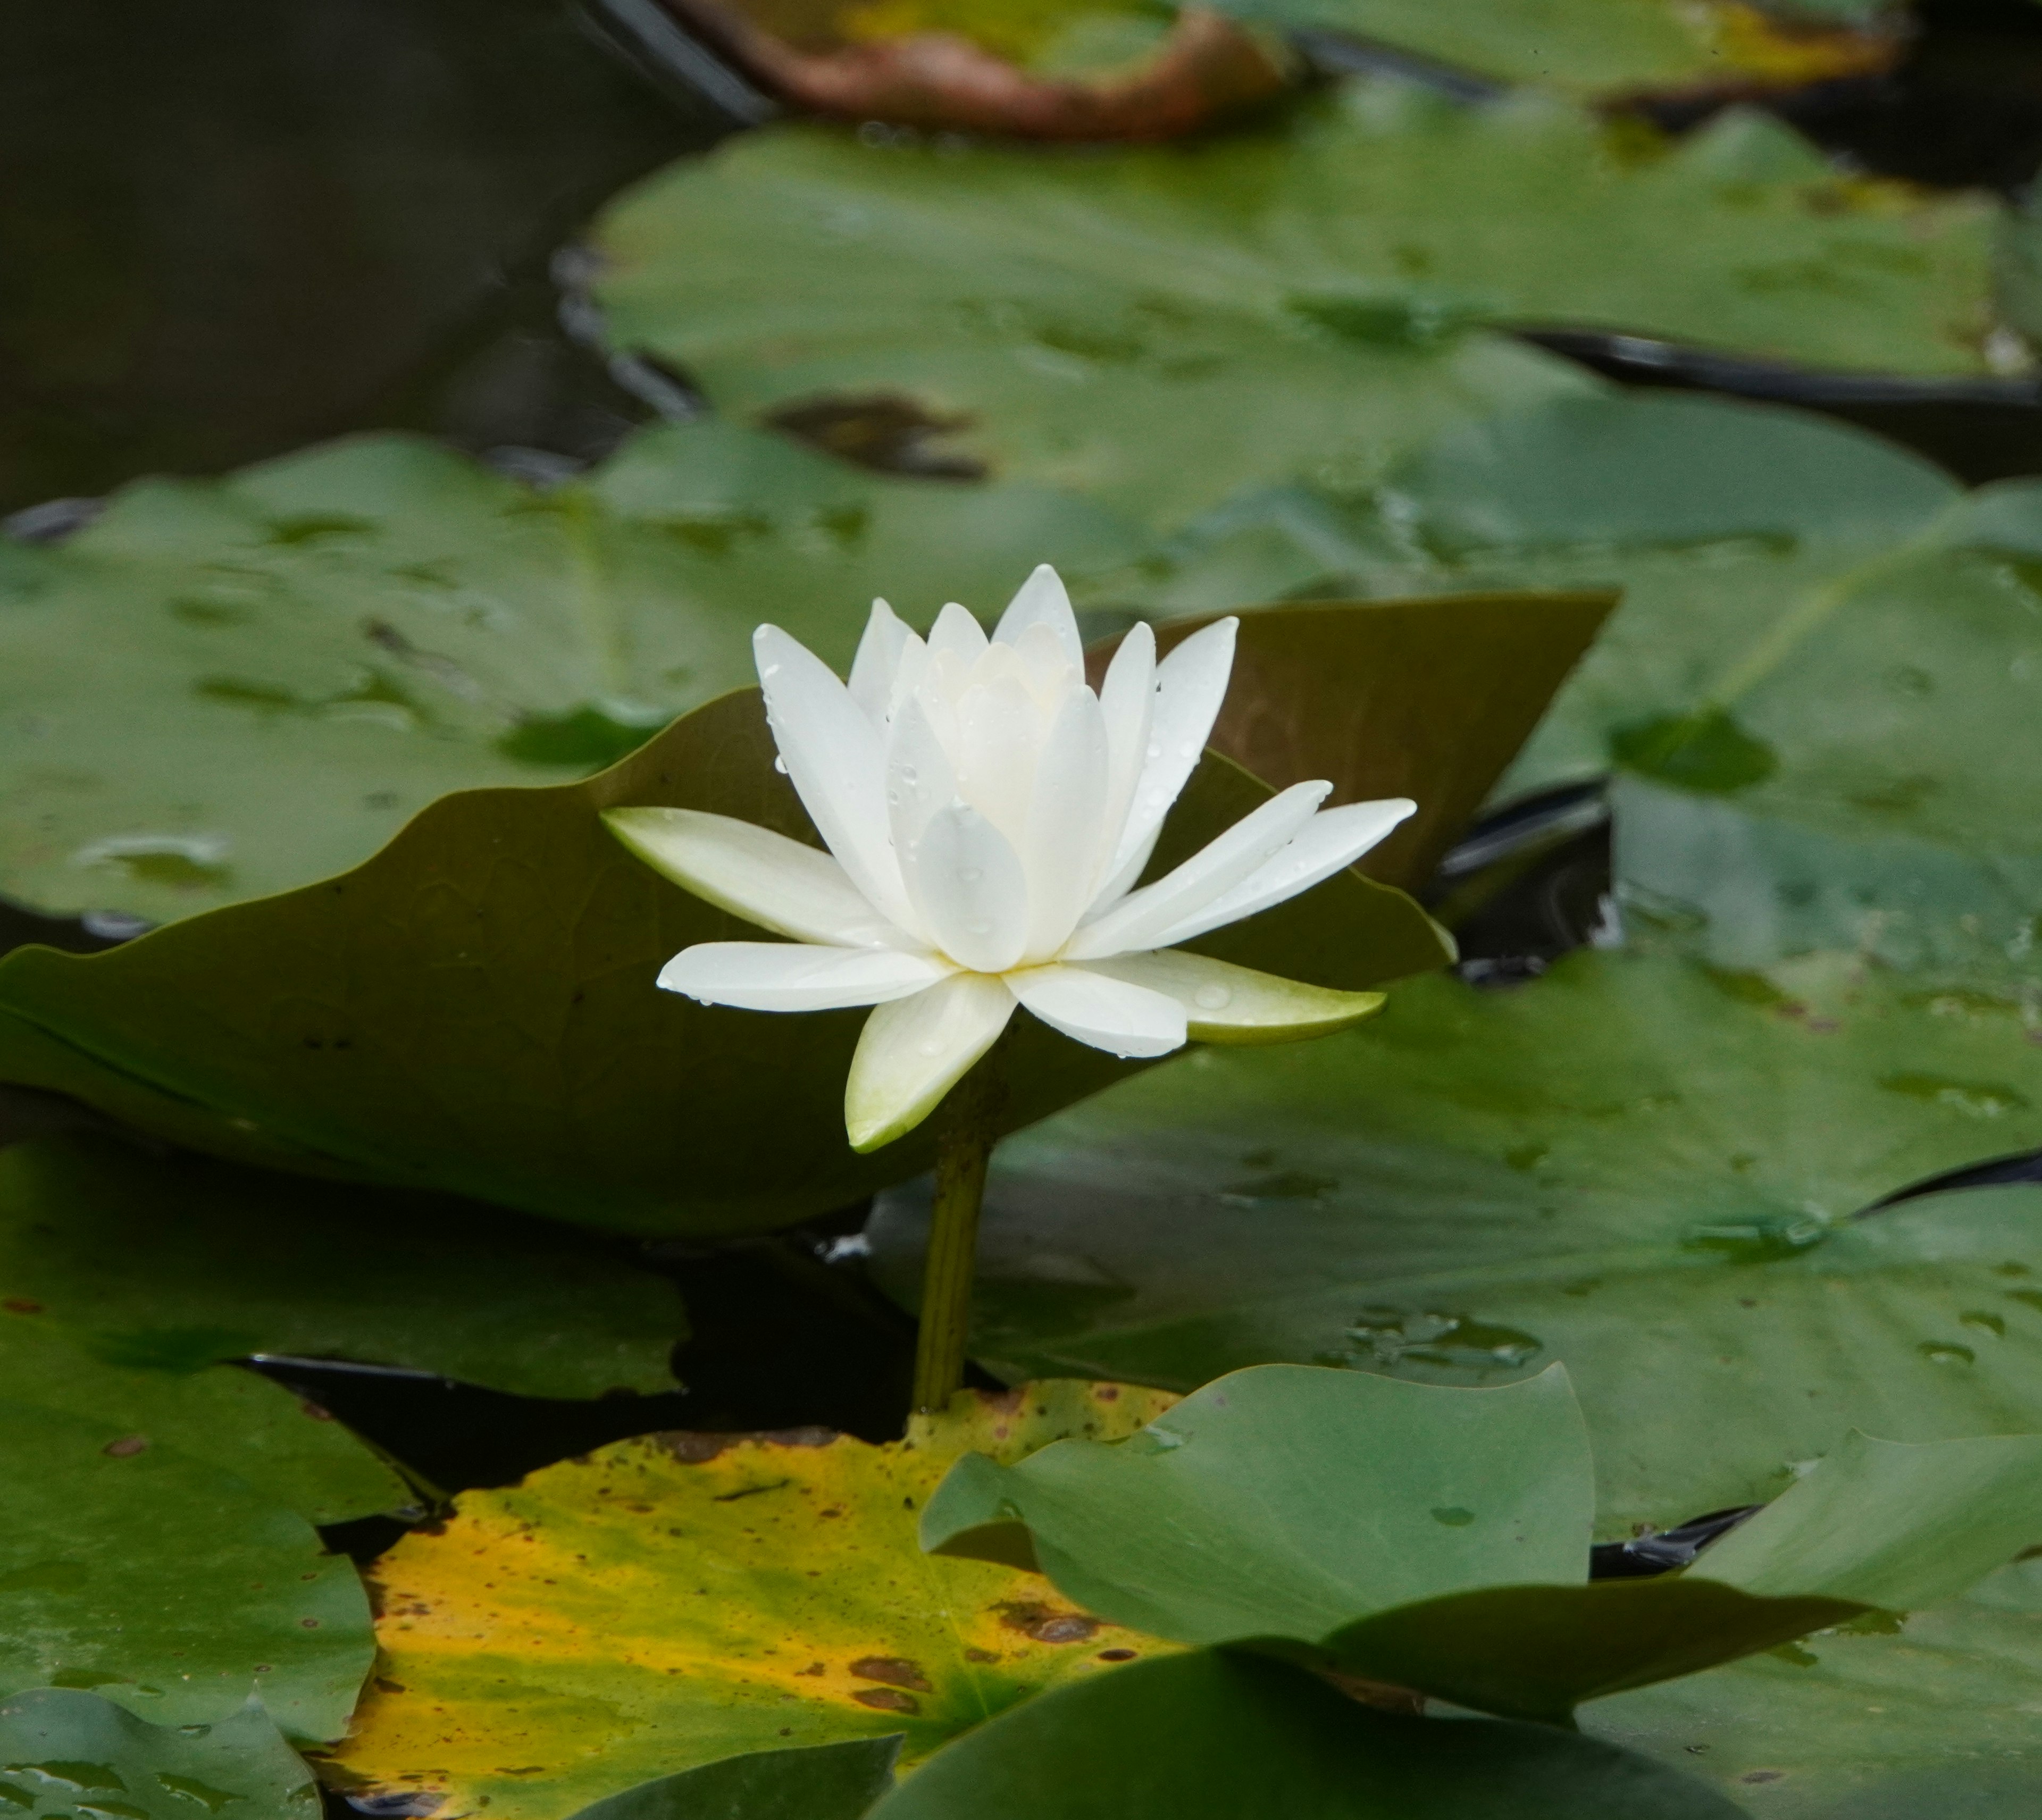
223,689
474,1010
671,1601
1631,1165
166,1585
1220,1735
68,1755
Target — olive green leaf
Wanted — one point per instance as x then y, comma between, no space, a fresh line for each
291,1451
818,1782
1302,303
1633,1164
1434,1539
172,1265
1207,1735
167,1585
1930,1718
474,1010
67,1755
223,689
673,1599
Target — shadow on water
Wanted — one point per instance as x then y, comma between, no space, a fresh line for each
229,228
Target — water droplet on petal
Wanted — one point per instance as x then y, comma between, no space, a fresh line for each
980,928
780,765
1155,749
970,874
1211,998
932,1049
909,776
770,670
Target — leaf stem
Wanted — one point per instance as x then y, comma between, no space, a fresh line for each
968,1129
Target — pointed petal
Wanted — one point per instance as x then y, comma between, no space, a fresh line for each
1121,1018
1138,922
919,778
1127,699
753,872
1225,1003
956,632
878,662
1334,838
914,1050
1041,600
797,976
1190,683
1066,828
836,763
969,889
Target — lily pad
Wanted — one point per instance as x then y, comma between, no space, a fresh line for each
1633,1164
223,689
818,1782
67,1755
1931,1717
1220,1735
168,1586
1305,303
474,1010
171,1265
672,1600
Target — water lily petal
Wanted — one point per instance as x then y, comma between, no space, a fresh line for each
1116,1015
914,1050
1140,921
1333,838
969,889
836,763
875,668
1127,699
998,744
753,872
1225,1003
1066,826
1190,683
956,633
919,778
797,975
1041,600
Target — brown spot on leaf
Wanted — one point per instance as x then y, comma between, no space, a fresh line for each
694,1449
127,1447
1763,1775
980,1655
896,1671
886,430
1116,1655
21,1305
812,1669
1046,1623
887,1700
314,1410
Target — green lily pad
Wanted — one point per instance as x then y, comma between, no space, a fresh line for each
1304,303
1209,1735
1930,1718
474,1010
223,689
1600,47
670,1599
1434,1538
168,1586
819,1782
66,1755
289,1451
171,1265
1633,1164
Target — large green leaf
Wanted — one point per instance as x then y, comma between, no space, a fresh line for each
672,1600
1633,1165
171,1265
474,1009
72,1756
1209,1736
1288,304
167,1585
819,1782
1930,1718
223,689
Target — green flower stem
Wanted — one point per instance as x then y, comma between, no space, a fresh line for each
969,1128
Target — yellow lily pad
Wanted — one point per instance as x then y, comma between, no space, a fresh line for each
679,1598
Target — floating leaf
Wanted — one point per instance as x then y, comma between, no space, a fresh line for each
1928,1719
166,1585
1206,1735
475,1010
1633,1165
72,1756
171,1265
818,1782
671,1600
223,689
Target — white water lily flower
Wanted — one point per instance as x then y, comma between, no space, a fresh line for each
987,816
